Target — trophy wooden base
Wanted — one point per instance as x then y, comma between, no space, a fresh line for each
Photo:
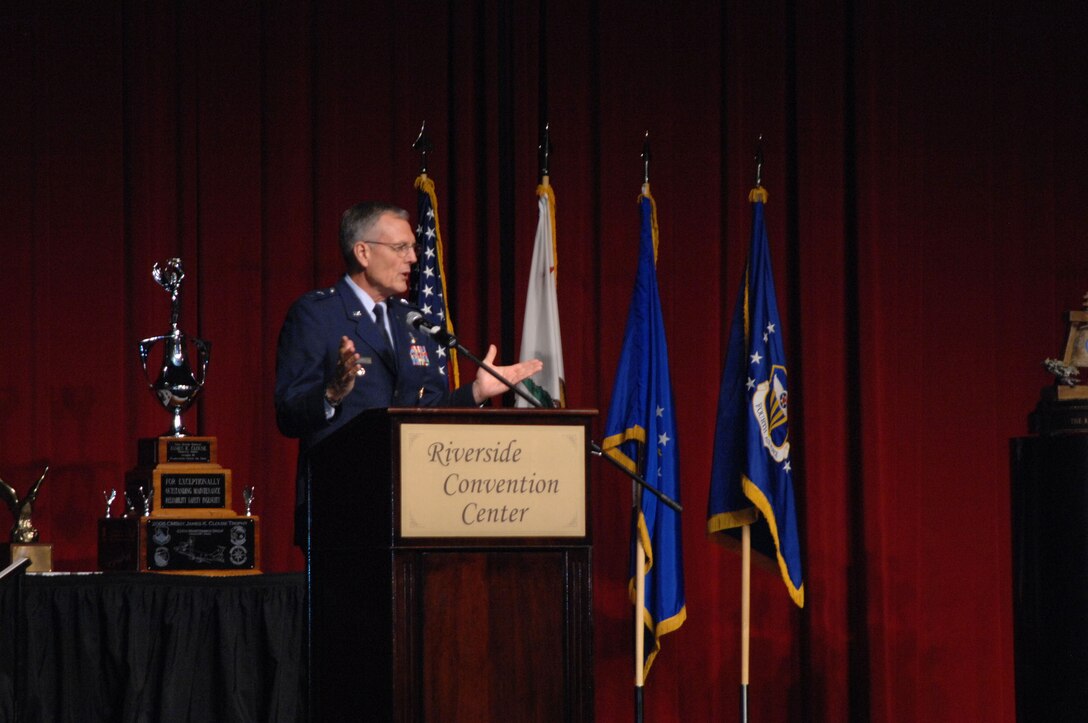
184,490
40,554
1068,393
187,525
1060,414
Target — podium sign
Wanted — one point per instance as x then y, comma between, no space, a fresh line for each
492,480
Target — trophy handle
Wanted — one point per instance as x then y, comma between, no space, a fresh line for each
204,351
146,345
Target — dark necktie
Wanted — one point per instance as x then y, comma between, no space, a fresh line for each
379,318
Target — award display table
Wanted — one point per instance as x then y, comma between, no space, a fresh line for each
130,647
1050,575
450,567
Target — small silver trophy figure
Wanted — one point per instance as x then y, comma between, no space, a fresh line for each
144,498
176,387
109,495
130,506
247,497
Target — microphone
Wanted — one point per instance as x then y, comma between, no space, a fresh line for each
418,321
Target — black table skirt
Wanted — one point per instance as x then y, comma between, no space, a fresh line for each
131,647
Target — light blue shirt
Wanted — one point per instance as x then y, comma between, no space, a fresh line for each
369,304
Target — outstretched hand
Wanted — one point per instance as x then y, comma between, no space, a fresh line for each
486,386
348,369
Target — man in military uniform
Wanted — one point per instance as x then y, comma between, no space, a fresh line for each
348,347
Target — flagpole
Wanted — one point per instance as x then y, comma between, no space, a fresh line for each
746,548
640,639
745,613
640,591
640,554
545,153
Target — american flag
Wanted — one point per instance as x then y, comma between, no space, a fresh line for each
427,288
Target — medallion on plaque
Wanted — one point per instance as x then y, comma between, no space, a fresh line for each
1063,407
179,516
24,535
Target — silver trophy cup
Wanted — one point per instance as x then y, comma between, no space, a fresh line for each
176,386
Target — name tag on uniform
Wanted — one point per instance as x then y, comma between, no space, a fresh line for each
418,352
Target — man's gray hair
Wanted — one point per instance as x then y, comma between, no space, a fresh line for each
357,222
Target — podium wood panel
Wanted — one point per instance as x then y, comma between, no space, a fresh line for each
450,629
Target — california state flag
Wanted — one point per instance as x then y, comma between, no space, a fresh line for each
540,337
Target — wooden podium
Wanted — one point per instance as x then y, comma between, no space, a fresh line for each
449,567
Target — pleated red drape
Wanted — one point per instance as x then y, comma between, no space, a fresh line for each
926,170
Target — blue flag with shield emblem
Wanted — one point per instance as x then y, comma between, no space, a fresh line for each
751,478
641,434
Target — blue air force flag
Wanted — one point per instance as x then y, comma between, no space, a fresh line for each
641,426
751,478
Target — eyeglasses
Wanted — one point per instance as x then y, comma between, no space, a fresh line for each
400,249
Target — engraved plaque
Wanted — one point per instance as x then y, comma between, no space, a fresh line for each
218,544
181,490
177,450
188,450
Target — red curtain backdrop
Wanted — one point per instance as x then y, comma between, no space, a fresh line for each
926,170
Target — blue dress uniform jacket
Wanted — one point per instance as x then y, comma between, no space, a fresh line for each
306,359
